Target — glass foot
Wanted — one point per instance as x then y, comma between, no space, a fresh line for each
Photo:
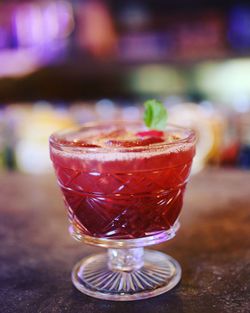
126,274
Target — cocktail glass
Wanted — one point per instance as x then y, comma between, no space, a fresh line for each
123,198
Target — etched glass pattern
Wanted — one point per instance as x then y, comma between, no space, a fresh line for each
109,211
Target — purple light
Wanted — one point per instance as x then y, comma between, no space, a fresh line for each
18,62
38,29
39,24
28,22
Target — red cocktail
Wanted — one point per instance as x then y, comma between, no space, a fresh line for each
122,184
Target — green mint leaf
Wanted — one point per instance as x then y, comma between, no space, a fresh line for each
155,114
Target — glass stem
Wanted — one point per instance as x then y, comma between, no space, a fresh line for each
125,259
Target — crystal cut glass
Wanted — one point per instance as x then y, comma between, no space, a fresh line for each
123,198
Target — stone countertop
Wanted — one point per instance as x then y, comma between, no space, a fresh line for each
212,246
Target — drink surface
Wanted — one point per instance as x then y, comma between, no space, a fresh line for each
122,182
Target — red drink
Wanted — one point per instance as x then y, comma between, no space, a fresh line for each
120,181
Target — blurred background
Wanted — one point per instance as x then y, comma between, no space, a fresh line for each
68,62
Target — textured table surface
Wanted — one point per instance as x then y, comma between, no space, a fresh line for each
212,246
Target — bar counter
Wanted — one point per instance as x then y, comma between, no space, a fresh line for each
212,246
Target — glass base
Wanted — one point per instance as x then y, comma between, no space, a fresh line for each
126,274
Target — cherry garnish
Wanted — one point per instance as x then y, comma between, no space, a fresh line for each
150,133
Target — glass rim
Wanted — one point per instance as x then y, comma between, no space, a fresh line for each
53,139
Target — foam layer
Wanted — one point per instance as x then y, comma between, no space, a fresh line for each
119,155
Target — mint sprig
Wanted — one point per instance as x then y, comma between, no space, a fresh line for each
155,114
